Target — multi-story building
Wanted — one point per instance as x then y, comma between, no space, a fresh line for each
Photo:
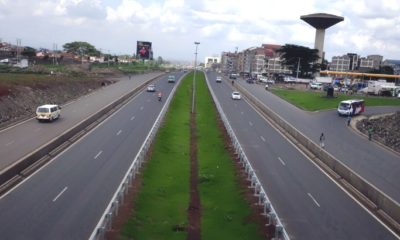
246,58
377,60
274,66
210,61
365,63
352,61
340,63
229,62
258,63
273,61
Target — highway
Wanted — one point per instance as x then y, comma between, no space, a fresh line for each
66,198
374,163
22,139
309,204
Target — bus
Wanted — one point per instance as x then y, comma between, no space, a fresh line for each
351,107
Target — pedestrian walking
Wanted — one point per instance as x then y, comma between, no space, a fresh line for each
348,119
370,131
322,140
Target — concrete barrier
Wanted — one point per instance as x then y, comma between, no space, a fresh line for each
383,202
25,162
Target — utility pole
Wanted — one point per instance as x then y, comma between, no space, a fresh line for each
298,69
18,49
194,76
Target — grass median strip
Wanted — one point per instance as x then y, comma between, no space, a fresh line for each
162,205
225,212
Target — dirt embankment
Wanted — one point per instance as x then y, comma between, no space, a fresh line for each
385,129
21,93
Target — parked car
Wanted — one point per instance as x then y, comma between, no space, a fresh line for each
250,80
263,79
236,96
270,81
151,88
171,78
289,79
233,76
315,85
218,79
48,112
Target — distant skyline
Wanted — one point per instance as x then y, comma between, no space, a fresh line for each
369,27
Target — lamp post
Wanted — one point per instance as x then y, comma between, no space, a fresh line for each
298,69
194,76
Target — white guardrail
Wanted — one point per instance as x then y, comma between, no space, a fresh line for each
263,200
105,221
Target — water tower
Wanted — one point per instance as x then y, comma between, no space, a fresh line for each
321,21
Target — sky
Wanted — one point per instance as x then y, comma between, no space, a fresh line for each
114,26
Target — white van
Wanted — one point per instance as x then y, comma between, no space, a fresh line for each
351,107
48,112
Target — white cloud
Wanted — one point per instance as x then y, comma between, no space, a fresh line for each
370,26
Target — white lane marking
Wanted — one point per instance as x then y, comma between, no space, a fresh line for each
55,199
250,123
141,108
119,132
283,163
262,138
315,201
98,154
132,118
9,143
333,181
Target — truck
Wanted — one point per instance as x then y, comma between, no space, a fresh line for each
382,88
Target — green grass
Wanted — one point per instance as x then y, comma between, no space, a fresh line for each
313,101
164,196
224,210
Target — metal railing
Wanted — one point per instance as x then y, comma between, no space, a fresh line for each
263,200
105,222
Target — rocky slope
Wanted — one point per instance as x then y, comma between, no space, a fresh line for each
385,129
19,97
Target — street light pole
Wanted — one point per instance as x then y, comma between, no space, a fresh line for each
298,69
194,76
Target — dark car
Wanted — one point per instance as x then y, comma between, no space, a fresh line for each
250,80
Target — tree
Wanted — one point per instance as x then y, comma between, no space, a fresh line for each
29,52
81,48
294,55
383,70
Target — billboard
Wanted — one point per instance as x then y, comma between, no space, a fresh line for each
143,50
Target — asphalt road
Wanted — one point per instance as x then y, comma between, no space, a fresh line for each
24,138
309,204
374,163
66,198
